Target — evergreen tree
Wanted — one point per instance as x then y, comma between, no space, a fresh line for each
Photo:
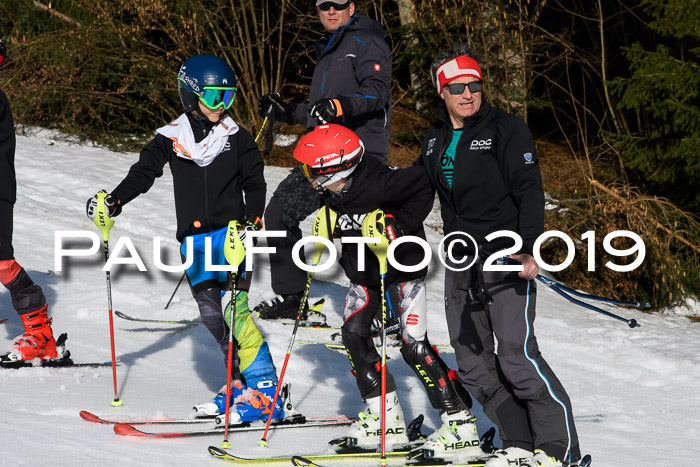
664,92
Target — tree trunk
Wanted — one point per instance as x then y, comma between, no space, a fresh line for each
407,17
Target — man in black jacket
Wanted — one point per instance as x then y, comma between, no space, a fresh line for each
484,166
353,186
27,298
351,86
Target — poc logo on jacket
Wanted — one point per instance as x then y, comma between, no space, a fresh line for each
478,144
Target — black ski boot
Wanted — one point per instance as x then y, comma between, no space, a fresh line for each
283,307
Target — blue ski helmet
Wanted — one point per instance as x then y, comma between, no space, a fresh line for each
207,78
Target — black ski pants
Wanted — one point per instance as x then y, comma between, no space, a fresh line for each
516,387
294,200
27,297
6,223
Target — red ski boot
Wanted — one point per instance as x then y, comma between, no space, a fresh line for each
37,340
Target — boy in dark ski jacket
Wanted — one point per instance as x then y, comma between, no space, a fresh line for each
484,165
218,177
331,156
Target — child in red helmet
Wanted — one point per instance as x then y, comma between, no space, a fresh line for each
331,156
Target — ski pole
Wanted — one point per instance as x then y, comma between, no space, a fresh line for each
324,224
262,127
175,291
105,223
562,290
638,305
234,252
268,138
559,289
374,226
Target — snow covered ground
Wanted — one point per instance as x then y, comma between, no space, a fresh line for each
634,390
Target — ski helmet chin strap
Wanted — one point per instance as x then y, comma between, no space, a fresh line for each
205,120
337,177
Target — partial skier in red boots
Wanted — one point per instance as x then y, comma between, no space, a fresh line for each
27,297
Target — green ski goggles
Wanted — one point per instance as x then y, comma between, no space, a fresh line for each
215,97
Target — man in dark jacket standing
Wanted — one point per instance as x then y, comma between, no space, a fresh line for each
351,86
484,166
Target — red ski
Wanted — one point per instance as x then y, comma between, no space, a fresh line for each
124,429
90,417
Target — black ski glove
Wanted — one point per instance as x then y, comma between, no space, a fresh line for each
326,110
393,231
113,205
249,226
273,105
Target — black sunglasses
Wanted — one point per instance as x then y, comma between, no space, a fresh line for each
456,89
338,7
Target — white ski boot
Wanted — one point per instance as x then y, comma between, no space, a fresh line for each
366,433
510,457
541,459
457,437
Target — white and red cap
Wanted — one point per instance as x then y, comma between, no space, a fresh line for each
329,153
459,66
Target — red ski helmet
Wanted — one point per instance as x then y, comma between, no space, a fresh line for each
329,153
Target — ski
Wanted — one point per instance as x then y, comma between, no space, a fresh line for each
349,445
393,338
53,363
307,323
3,320
585,462
63,361
90,417
158,321
313,310
308,461
339,347
345,445
125,429
304,461
336,347
373,457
